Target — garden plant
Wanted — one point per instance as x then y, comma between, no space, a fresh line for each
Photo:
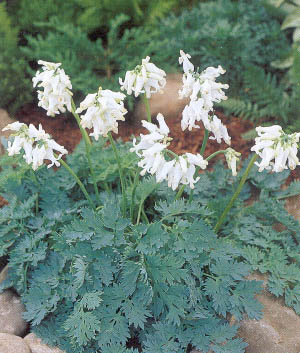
129,247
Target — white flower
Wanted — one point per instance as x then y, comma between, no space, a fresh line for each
203,83
184,60
211,92
193,112
156,134
152,159
232,157
145,78
36,143
103,110
57,95
152,150
183,170
219,130
88,102
273,144
16,126
197,159
163,172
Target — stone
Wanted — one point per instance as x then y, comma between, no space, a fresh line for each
11,310
5,119
13,344
279,329
293,206
37,346
168,103
3,273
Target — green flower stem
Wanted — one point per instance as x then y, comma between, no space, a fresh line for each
84,134
147,105
236,194
204,142
88,145
113,145
202,150
215,154
179,193
37,193
135,183
192,190
83,189
173,154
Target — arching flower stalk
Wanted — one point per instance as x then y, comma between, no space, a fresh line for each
271,144
38,146
203,91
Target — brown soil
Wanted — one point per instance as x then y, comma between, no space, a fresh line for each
65,131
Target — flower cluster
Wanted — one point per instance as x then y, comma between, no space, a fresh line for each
57,85
152,149
146,78
103,110
273,144
205,85
36,143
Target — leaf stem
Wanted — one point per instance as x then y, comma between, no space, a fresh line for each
147,106
117,156
82,187
84,134
236,194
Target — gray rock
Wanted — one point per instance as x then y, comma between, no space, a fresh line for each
168,103
293,206
13,344
279,329
11,310
4,120
3,273
37,346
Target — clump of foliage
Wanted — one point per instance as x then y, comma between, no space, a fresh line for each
95,281
137,266
12,68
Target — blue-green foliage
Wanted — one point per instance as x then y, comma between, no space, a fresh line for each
93,281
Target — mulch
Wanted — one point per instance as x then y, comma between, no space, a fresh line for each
65,131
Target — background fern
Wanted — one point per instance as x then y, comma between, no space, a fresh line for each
264,98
